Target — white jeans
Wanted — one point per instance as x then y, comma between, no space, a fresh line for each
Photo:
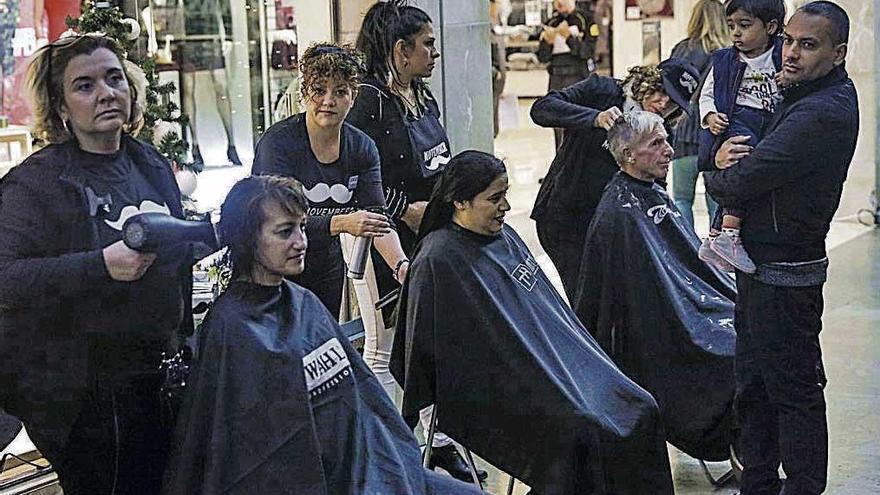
379,340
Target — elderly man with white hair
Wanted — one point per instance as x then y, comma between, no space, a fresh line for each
664,316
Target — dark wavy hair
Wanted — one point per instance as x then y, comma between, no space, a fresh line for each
323,61
386,23
468,173
244,212
642,81
766,10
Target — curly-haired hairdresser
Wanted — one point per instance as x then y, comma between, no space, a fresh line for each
85,320
338,166
582,167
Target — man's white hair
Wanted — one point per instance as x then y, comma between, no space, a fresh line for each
629,130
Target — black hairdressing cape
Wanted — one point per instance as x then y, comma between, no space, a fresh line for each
515,377
662,314
281,403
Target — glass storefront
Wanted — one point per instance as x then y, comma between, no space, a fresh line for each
233,62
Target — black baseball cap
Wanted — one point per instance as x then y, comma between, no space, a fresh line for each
680,80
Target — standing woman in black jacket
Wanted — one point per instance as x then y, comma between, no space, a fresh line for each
84,320
707,32
395,107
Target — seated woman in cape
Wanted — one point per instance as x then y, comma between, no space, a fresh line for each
514,376
663,315
279,401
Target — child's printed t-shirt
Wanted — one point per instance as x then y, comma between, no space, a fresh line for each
758,88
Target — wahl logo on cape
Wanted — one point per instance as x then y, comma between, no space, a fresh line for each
659,212
326,367
526,273
435,157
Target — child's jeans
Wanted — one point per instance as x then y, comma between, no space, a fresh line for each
744,121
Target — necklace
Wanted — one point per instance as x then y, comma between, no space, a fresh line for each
411,104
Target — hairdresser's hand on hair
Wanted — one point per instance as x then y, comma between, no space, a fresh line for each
125,264
717,122
361,223
607,118
732,151
412,217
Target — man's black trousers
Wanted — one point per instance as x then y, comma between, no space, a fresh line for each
780,385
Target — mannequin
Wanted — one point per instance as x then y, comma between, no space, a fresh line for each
204,51
57,12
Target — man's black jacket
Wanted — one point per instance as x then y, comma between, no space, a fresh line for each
791,183
582,167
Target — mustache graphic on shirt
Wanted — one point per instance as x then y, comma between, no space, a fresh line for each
129,211
321,192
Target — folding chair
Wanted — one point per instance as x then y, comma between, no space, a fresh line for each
429,443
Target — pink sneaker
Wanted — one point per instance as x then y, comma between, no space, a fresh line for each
730,248
706,254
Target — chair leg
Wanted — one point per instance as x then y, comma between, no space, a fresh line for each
429,442
472,467
510,485
721,481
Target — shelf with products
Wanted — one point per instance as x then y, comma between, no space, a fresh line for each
282,42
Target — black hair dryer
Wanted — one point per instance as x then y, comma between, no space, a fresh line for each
147,232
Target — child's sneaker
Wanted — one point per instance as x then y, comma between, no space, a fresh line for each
729,246
706,254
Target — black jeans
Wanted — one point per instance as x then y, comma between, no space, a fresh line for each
565,247
780,383
119,444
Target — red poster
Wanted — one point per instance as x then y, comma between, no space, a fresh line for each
22,30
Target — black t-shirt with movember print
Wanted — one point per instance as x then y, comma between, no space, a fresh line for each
352,182
131,317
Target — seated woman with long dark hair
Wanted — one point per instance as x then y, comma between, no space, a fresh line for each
279,401
514,376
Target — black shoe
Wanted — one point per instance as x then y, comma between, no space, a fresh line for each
232,155
197,156
448,458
